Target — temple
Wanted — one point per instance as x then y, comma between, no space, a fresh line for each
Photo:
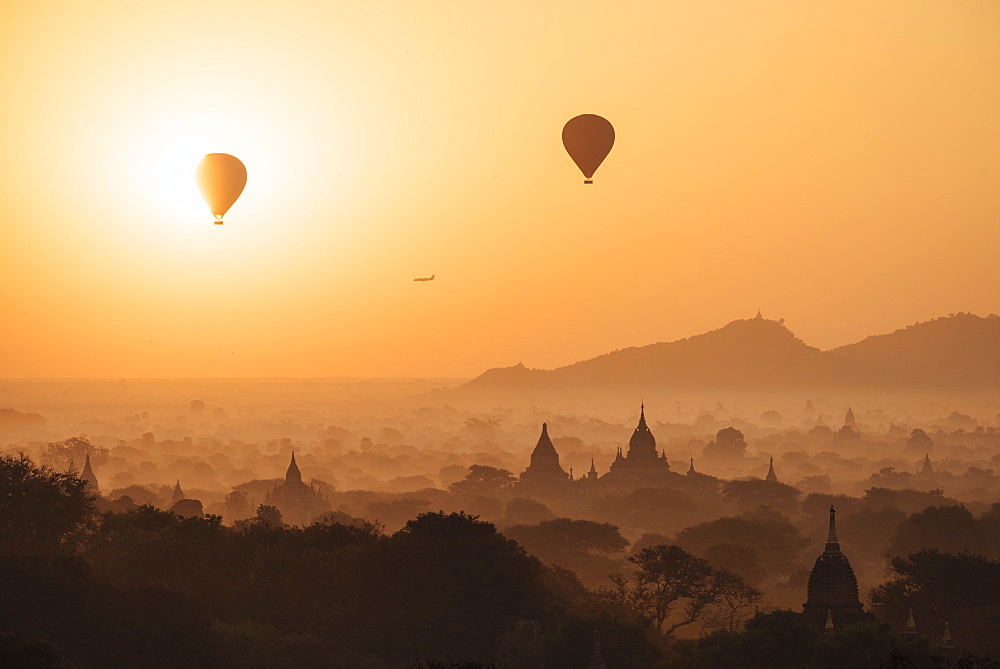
544,475
849,431
177,495
596,656
833,588
88,475
299,503
641,467
771,476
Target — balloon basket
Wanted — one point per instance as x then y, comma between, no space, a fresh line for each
218,222
588,181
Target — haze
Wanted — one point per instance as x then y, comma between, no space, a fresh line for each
834,165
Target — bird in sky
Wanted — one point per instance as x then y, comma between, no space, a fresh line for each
425,278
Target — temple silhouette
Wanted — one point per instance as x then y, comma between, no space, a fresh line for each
299,503
832,601
639,467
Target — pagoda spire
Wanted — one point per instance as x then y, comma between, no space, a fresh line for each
293,475
88,474
178,494
946,641
596,657
927,469
771,476
832,542
849,419
911,626
691,468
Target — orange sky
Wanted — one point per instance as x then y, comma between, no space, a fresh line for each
836,164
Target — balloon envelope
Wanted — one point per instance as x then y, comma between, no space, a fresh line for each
588,139
221,178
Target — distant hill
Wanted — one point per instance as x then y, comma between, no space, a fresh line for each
957,352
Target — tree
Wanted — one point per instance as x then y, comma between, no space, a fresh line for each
42,511
446,584
484,480
749,495
777,640
868,532
670,588
962,588
919,443
583,546
950,529
729,445
526,511
72,452
237,506
775,539
735,602
269,517
871,647
741,559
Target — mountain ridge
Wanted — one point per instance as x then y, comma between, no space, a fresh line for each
955,351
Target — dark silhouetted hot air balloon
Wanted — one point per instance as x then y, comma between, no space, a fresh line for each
588,139
221,178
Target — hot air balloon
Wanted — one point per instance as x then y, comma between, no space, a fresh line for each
588,139
221,178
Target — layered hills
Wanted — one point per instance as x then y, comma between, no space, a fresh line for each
955,353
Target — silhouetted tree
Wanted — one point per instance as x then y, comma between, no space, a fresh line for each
741,559
447,585
237,506
72,452
269,516
729,445
483,480
919,443
778,640
41,510
775,539
749,495
583,546
950,529
670,588
527,511
963,589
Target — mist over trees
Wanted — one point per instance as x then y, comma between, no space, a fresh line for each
418,541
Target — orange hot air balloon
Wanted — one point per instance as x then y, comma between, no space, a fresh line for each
221,178
588,139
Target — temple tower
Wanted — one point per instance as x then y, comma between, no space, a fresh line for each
596,656
177,495
88,475
833,588
544,474
299,503
771,476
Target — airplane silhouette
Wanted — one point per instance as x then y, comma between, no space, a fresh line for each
425,278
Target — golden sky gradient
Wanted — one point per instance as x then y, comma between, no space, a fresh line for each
836,164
